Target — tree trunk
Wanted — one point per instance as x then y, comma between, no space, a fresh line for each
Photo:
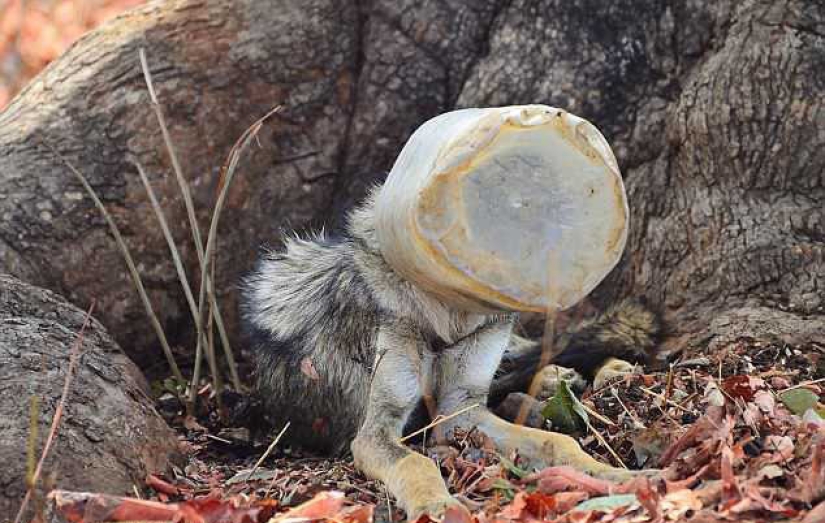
715,111
110,436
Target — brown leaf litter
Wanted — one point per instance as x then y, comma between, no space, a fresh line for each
730,450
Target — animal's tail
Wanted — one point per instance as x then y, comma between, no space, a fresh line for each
627,331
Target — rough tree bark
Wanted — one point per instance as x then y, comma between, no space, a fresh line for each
715,110
110,436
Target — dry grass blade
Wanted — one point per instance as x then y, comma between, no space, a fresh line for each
170,242
268,451
136,280
31,462
605,444
213,363
803,384
173,249
548,353
164,129
74,356
437,421
196,236
190,212
227,349
549,348
227,174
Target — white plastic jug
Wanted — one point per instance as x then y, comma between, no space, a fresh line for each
511,208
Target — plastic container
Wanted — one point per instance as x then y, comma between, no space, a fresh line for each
512,208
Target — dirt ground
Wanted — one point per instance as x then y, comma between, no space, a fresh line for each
738,432
721,426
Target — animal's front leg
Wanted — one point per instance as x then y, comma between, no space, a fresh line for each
464,373
413,479
540,448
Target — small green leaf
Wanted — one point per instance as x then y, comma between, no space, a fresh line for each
505,487
799,400
512,468
816,416
607,503
565,411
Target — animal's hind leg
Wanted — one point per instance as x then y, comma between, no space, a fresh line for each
600,349
463,375
413,479
612,370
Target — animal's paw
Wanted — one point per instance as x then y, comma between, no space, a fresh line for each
612,370
448,510
550,377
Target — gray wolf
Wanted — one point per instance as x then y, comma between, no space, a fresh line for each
348,351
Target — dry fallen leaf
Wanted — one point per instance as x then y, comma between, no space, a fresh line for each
309,369
781,446
679,504
557,479
84,507
322,506
744,387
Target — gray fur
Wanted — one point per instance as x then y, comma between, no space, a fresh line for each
325,301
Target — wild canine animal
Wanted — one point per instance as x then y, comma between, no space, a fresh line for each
346,346
349,349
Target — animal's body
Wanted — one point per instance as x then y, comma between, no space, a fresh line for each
347,350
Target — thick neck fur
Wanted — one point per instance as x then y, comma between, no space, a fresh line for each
402,298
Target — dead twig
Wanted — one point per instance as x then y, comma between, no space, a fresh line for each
605,444
268,451
802,385
217,438
667,401
635,420
74,356
593,413
438,421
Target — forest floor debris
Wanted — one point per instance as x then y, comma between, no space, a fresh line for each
736,442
